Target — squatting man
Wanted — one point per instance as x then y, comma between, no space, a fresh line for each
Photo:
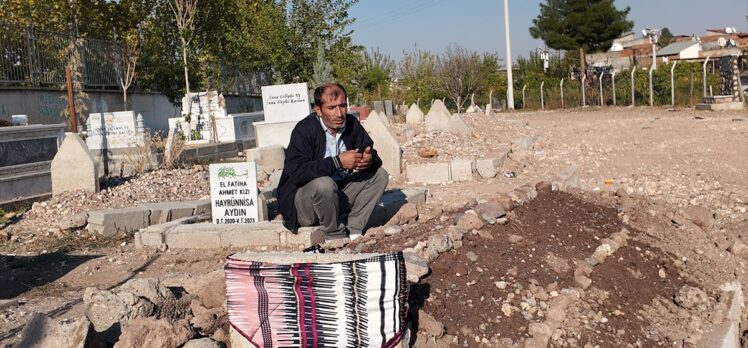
332,175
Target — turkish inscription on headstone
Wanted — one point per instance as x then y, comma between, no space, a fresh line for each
285,103
233,193
110,130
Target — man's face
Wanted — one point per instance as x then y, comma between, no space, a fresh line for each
333,108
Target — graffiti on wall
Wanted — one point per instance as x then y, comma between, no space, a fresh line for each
50,105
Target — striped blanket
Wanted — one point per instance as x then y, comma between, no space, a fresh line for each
359,303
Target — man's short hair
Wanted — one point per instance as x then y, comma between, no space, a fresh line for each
319,91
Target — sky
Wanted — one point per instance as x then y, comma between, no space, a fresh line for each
395,26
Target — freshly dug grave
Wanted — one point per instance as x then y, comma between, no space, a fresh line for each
489,288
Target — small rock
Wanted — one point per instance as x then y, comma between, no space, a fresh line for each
428,325
202,343
209,288
151,332
515,239
43,332
470,220
662,273
582,281
543,186
690,297
105,308
507,309
505,201
471,256
439,243
699,215
391,230
73,221
415,266
739,248
407,214
149,288
500,284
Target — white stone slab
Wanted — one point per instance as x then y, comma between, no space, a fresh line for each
285,103
429,173
233,193
461,169
112,130
273,133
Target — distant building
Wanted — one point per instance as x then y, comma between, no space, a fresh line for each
628,50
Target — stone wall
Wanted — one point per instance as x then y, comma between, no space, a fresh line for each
43,106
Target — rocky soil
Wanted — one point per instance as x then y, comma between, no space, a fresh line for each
632,252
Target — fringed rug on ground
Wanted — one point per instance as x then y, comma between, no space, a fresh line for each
358,303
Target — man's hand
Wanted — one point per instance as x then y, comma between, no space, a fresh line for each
365,161
350,159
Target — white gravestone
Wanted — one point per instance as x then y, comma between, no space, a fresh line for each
284,106
112,130
233,193
204,103
285,103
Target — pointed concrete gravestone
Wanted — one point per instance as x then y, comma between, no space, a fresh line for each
384,142
489,110
388,108
73,167
439,118
414,115
382,117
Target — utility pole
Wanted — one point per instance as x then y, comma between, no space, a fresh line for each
509,80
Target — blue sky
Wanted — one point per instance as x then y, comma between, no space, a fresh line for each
395,26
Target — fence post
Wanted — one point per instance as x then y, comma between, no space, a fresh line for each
704,73
672,84
584,97
524,106
651,94
633,98
542,100
600,83
562,93
613,80
31,51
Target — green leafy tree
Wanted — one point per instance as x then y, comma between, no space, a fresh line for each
417,71
584,25
309,23
666,37
375,75
322,69
461,72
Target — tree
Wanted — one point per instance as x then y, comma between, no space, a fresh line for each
322,70
374,77
416,72
666,37
126,61
184,13
460,73
584,25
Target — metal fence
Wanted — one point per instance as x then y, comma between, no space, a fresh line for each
33,57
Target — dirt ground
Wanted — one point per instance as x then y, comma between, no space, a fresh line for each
638,169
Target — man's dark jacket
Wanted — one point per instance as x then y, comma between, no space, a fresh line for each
305,159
